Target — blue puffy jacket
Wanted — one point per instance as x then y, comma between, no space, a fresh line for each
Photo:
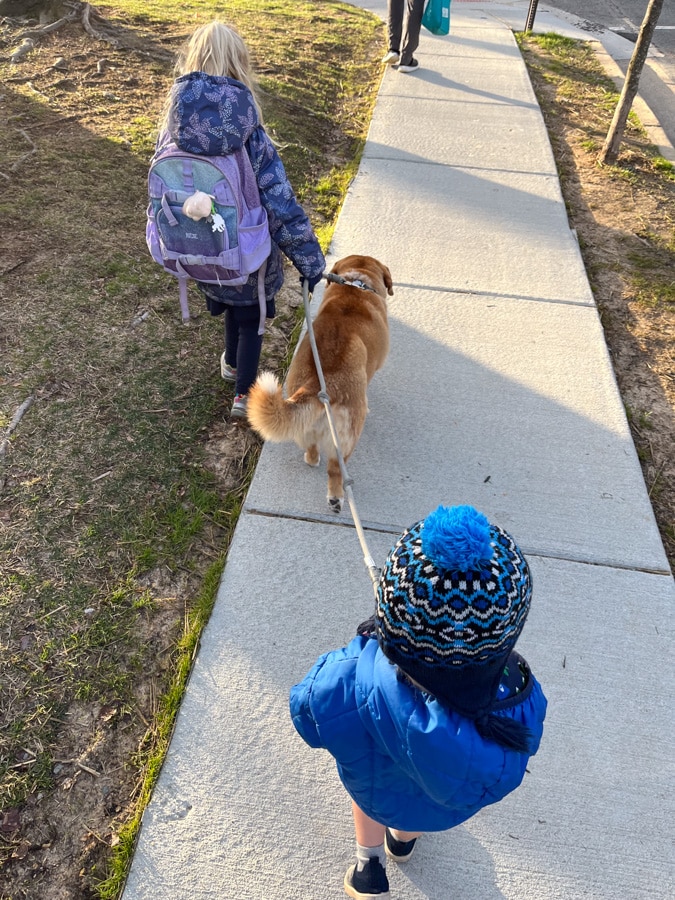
407,761
213,116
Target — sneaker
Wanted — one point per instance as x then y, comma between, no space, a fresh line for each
370,883
399,851
238,410
227,372
391,58
409,67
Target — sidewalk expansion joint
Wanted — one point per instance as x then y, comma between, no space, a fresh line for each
397,529
597,563
321,519
439,164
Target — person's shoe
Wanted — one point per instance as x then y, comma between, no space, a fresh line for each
391,57
238,410
227,373
412,66
399,851
370,883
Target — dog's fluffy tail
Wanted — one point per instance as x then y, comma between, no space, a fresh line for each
278,419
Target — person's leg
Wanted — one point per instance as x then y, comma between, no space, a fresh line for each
249,345
405,836
395,22
369,833
367,878
231,337
413,25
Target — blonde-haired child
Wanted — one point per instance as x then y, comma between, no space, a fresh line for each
213,110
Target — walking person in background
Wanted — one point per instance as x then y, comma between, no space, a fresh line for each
213,110
404,21
429,711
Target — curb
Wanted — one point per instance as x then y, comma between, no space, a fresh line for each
644,113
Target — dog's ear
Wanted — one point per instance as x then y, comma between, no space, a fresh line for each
388,283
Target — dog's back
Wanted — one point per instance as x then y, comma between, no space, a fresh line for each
352,338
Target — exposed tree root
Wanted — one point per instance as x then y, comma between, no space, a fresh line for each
66,12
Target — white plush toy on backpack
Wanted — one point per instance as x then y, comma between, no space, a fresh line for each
201,206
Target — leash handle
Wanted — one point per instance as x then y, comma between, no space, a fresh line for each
347,481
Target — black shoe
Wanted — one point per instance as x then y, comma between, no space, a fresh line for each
370,883
412,66
399,851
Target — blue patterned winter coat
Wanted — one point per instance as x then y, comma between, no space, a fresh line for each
213,116
407,761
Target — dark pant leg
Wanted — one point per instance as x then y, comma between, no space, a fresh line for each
231,337
395,22
411,37
248,344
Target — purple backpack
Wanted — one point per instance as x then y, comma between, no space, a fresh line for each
223,248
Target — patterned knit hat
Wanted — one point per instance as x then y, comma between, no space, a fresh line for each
451,602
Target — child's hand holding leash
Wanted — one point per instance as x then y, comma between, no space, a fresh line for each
311,282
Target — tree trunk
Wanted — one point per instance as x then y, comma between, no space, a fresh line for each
610,149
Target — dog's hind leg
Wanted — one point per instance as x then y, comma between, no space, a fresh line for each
349,426
335,487
311,456
311,447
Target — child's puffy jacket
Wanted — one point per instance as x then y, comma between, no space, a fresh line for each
407,761
213,116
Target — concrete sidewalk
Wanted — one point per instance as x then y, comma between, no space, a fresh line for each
498,392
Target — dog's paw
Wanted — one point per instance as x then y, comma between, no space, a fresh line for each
311,457
335,504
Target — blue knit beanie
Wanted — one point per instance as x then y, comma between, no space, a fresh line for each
451,602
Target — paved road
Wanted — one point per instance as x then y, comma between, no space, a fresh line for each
625,17
608,21
617,21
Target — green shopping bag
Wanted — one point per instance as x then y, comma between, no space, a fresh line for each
436,18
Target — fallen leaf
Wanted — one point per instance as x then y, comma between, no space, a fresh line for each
21,852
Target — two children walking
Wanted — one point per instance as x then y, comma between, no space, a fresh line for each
429,711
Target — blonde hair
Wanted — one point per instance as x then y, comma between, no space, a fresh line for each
218,49
215,49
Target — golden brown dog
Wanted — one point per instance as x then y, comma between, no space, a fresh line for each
352,338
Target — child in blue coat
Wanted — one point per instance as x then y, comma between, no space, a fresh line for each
212,110
429,712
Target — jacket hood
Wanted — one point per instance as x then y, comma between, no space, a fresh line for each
211,115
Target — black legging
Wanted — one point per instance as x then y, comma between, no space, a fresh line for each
243,344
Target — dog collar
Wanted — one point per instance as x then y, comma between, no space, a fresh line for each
357,283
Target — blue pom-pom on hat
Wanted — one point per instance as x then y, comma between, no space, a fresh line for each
457,539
